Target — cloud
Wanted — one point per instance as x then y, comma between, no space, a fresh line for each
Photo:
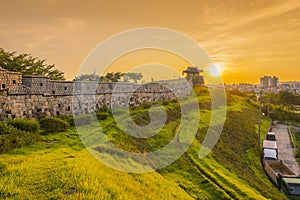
243,34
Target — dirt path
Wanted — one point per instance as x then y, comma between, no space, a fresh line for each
285,149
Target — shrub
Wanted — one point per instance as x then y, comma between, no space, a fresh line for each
105,109
4,129
11,137
68,119
147,105
102,115
82,120
176,100
53,124
25,125
165,103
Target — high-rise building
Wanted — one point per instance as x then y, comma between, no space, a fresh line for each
268,81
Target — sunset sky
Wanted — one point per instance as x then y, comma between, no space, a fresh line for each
246,39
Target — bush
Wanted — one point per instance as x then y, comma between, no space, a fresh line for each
147,105
165,103
68,119
4,128
25,125
53,124
102,115
11,137
176,100
82,120
105,109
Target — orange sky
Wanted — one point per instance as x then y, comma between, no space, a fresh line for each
247,39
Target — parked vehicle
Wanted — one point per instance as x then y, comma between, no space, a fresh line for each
268,144
269,151
269,154
283,178
271,136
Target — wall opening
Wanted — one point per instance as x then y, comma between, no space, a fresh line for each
41,84
14,82
3,86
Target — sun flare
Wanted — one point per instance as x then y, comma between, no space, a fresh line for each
216,69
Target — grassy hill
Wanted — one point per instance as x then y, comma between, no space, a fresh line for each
59,167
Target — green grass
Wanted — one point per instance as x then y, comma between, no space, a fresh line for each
59,167
52,175
295,133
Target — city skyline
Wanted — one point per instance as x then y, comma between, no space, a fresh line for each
246,39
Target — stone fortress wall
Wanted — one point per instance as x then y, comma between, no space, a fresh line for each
38,96
9,80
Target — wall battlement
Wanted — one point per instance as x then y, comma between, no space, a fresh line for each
38,96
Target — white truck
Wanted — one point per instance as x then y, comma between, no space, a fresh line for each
269,151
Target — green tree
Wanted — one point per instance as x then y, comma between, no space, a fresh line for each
133,76
28,65
113,77
109,77
288,99
87,77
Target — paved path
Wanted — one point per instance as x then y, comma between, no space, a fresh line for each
285,149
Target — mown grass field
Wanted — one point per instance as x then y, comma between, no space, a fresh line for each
59,167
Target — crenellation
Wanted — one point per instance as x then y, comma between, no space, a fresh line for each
38,96
36,84
61,87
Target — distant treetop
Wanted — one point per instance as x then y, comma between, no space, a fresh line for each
110,77
28,65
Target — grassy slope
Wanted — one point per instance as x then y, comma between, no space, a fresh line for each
59,167
294,132
233,169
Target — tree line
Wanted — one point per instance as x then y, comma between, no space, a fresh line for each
28,65
111,77
284,98
282,106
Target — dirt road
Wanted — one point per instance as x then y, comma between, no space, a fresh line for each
285,149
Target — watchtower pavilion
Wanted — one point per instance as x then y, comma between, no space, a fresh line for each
193,74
